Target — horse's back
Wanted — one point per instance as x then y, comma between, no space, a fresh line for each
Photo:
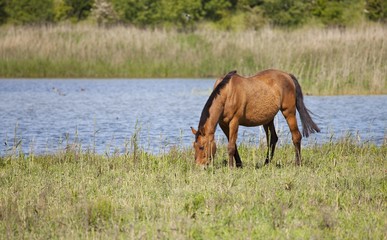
280,83
266,83
275,79
257,99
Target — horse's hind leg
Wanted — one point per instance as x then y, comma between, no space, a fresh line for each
290,116
272,139
238,160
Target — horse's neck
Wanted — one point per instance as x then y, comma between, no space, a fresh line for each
216,111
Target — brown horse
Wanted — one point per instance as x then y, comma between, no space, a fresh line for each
251,101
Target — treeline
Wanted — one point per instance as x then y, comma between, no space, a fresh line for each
189,14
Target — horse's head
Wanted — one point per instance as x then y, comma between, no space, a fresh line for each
205,147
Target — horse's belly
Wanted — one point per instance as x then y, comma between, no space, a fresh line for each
261,113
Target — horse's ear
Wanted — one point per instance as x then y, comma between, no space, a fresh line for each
193,130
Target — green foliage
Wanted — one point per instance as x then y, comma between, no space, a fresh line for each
3,13
158,13
178,13
338,13
216,9
376,10
224,14
139,13
29,11
286,12
104,13
61,10
73,10
78,9
253,17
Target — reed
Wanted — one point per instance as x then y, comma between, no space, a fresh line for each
327,61
338,193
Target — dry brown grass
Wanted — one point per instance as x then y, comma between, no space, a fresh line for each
327,61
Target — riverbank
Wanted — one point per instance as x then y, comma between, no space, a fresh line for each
338,193
327,61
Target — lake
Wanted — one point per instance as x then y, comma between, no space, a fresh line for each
104,115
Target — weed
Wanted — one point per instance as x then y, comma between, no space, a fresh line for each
339,192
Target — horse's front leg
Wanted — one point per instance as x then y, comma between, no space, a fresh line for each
232,147
226,130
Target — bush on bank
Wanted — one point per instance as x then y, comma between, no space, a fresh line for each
188,15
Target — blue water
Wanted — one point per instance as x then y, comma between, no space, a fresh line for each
106,115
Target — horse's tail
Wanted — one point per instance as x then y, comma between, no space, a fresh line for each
308,126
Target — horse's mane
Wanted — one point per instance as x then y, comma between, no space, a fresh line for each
206,110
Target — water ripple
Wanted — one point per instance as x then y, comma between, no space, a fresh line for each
45,114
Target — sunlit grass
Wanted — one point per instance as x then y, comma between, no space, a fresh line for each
338,193
327,61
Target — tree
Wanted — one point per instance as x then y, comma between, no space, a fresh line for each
287,13
182,14
338,13
29,11
215,10
103,12
75,10
140,13
376,10
3,13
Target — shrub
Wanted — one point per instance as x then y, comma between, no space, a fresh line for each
376,10
75,10
286,12
3,14
103,12
337,13
29,11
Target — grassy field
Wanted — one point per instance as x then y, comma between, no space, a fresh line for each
339,193
327,61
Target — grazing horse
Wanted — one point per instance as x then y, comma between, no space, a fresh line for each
252,101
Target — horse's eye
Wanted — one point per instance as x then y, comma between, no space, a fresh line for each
201,148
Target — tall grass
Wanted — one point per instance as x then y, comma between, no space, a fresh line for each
338,193
327,61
